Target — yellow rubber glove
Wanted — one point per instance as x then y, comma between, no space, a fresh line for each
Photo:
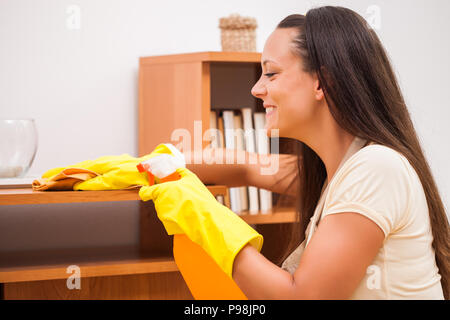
114,172
187,207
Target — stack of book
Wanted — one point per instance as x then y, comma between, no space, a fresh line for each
243,129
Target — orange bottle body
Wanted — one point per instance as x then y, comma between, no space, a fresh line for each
204,278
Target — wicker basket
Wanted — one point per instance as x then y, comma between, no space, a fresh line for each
238,33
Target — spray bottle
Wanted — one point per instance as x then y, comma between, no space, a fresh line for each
162,167
204,278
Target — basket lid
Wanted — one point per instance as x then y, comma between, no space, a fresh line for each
235,21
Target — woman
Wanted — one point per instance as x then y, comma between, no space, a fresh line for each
373,225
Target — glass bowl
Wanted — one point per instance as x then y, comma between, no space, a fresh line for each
18,146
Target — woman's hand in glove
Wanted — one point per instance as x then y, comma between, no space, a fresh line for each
187,207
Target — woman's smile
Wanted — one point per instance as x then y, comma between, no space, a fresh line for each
270,110
271,117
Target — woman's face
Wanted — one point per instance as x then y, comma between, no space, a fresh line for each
290,95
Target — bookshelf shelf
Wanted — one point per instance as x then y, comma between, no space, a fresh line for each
206,56
29,196
41,265
285,215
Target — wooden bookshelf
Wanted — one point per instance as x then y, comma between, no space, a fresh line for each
22,271
174,92
177,91
42,274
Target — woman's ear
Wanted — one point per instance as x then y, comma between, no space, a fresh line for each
319,89
318,92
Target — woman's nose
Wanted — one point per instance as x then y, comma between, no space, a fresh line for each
258,89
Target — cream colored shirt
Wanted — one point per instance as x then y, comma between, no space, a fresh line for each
379,183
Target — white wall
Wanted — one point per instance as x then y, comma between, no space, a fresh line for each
81,84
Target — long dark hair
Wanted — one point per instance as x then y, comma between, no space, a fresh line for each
364,98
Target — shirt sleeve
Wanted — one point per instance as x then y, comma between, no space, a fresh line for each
374,183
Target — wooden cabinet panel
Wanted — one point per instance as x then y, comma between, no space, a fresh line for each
156,286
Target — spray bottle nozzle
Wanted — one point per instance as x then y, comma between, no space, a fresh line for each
162,168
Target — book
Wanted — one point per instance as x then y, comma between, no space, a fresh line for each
221,132
240,145
220,199
250,146
262,147
230,143
213,135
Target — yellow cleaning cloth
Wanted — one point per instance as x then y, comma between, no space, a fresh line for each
64,180
104,173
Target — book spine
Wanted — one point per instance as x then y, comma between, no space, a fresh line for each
213,136
240,145
262,147
250,146
230,143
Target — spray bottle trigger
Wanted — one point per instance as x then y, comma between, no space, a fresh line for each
171,177
151,178
144,167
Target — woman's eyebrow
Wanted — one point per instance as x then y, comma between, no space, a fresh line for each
266,61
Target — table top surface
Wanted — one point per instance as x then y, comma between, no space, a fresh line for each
18,196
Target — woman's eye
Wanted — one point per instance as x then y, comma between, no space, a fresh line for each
268,75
